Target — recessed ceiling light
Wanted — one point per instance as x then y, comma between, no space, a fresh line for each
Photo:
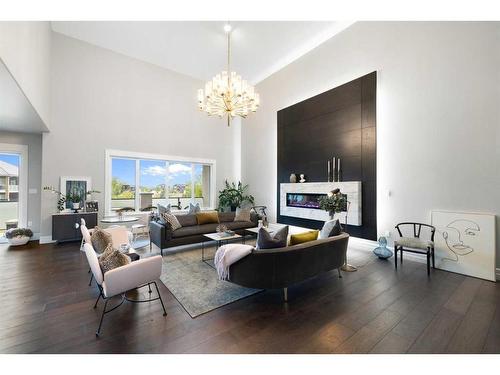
227,28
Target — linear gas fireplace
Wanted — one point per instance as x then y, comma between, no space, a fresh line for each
303,200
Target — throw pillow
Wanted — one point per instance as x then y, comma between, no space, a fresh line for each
330,228
100,240
194,208
207,217
242,214
171,221
112,259
266,240
163,209
296,239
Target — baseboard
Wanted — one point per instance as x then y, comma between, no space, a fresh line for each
46,240
36,236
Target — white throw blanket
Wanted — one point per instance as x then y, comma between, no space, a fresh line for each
227,255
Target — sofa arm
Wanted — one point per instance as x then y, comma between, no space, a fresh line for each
131,276
160,234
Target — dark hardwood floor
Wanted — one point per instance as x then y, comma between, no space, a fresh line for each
46,307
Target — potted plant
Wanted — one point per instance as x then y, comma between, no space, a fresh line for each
75,201
61,202
18,236
333,203
234,196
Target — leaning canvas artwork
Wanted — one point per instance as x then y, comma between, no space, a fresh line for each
465,243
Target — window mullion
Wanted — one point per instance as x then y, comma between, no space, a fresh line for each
137,185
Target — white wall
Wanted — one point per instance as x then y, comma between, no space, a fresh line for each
438,117
25,49
104,100
34,143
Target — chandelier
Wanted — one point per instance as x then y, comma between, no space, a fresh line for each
227,93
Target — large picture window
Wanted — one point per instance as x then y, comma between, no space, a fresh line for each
142,181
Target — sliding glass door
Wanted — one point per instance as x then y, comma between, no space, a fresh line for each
13,186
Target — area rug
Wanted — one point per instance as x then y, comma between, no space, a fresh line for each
195,285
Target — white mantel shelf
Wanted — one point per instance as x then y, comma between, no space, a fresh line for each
351,188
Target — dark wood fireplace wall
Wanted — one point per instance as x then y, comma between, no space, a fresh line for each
342,123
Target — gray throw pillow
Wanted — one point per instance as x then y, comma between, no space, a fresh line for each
111,259
242,214
266,240
330,228
100,240
194,208
163,209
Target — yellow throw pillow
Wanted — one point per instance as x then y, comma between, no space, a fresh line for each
207,217
312,235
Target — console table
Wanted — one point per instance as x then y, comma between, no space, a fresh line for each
66,225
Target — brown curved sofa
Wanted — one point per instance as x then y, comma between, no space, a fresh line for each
283,267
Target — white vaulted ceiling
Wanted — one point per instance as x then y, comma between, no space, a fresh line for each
198,49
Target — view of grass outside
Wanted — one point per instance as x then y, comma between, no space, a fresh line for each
9,191
169,182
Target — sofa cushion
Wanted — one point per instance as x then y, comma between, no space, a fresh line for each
242,214
194,208
225,217
266,240
239,225
415,243
194,230
330,228
112,258
187,220
100,240
299,238
171,220
207,217
162,208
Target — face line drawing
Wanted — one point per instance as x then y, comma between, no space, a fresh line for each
455,243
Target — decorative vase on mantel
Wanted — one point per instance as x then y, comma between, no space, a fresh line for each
293,178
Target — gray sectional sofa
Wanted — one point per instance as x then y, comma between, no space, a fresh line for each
190,232
285,266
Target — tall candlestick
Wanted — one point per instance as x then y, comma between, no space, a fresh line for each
338,171
334,171
329,171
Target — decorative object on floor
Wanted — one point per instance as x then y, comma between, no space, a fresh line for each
465,243
234,195
302,178
135,275
296,239
293,178
18,236
227,94
266,240
382,251
195,284
415,241
75,186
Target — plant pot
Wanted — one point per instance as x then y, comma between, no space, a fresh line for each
76,206
19,240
